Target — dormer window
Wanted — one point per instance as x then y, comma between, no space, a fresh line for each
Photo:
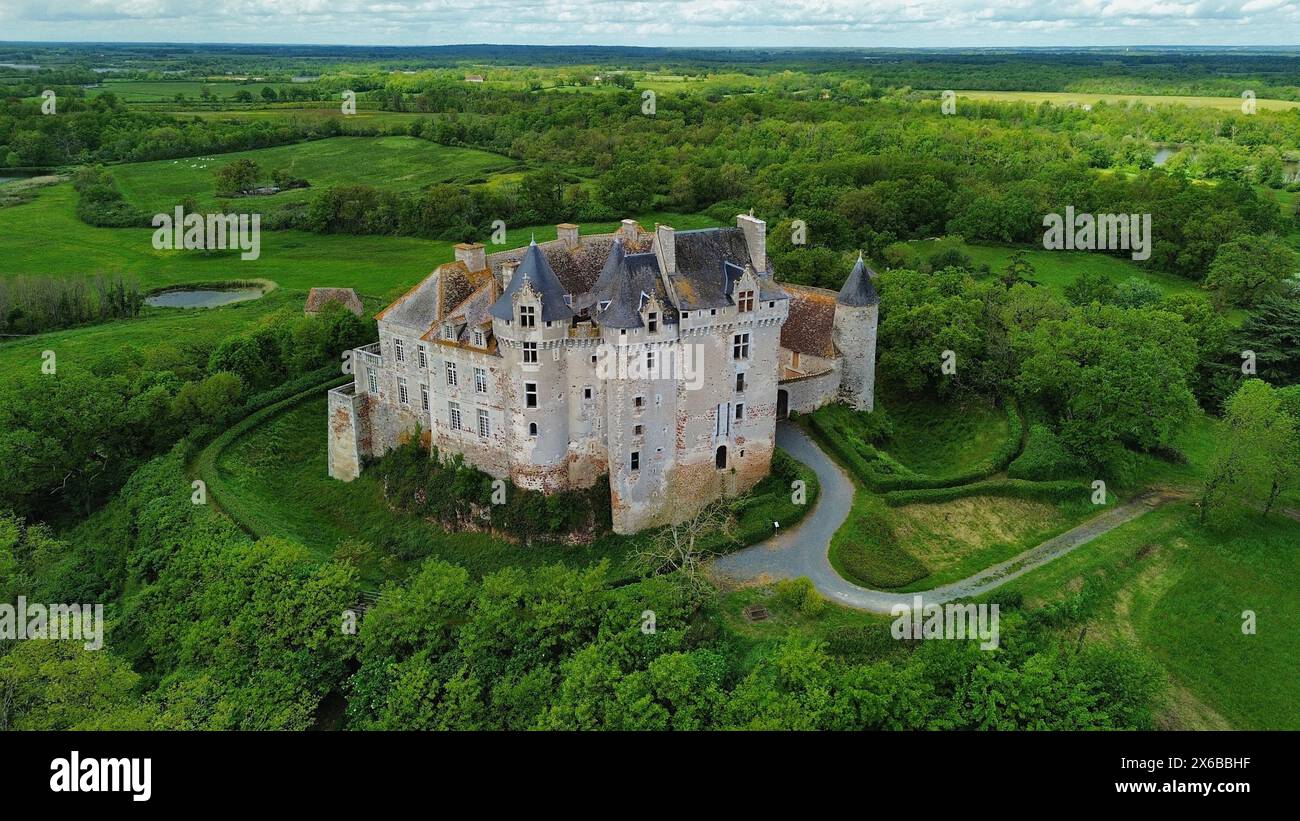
652,322
527,316
448,330
479,340
745,301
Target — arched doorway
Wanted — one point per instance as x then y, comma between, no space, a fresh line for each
720,458
782,404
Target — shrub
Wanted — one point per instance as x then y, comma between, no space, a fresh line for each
1044,458
800,596
1058,491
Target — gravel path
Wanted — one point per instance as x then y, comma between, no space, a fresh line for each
802,551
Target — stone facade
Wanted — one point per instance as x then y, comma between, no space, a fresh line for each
659,359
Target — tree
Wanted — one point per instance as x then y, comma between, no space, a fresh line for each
688,542
1256,457
237,177
1247,269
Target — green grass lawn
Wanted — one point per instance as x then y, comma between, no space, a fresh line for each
79,348
1178,591
938,438
395,163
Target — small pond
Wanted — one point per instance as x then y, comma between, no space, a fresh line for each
200,298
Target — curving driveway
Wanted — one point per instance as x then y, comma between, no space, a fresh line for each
802,551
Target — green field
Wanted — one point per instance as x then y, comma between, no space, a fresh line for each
44,237
1052,269
1065,98
394,163
1178,591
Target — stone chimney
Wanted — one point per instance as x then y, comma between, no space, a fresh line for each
567,233
755,238
666,248
508,273
472,254
629,231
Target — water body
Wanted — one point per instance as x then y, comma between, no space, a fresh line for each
200,298
1162,155
12,176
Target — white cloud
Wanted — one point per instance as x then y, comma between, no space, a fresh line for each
917,23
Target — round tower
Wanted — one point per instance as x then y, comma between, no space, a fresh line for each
857,309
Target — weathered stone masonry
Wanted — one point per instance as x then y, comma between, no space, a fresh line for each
662,359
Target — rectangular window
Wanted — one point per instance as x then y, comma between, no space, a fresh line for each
652,322
637,430
402,395
530,394
527,316
740,411
399,349
745,301
424,356
484,428
740,382
480,380
448,331
586,393
373,380
740,346
638,402
650,364
451,373
453,415
635,462
478,339
530,353
424,398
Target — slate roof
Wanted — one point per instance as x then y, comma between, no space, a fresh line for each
859,289
536,270
709,261
616,299
429,302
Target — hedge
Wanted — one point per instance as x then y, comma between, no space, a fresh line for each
1044,457
1057,491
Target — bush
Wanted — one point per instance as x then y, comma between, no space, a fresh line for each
1044,458
1058,491
800,596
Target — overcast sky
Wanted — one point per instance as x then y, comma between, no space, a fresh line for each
913,23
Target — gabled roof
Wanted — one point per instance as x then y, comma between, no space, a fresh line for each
537,272
859,289
709,261
429,302
616,299
810,324
318,298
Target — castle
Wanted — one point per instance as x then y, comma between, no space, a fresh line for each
660,358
